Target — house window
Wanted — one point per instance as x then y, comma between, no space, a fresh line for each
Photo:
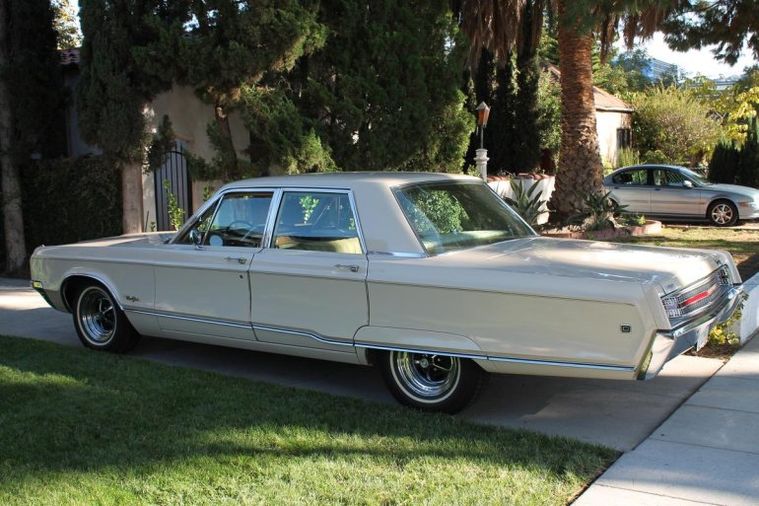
624,138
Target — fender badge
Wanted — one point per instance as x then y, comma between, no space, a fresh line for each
131,298
625,328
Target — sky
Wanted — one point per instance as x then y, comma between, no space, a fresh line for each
695,61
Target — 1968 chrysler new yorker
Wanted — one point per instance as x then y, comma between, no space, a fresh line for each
431,277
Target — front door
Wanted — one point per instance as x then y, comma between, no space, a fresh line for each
673,196
205,290
309,288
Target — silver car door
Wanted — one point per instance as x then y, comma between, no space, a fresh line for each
673,196
630,188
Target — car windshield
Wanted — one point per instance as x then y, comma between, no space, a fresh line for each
454,216
694,177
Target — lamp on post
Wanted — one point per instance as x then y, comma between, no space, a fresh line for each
481,155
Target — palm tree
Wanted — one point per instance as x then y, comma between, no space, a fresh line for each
496,25
580,170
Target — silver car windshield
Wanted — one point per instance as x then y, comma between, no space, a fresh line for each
453,216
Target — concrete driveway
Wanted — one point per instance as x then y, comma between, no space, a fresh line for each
612,413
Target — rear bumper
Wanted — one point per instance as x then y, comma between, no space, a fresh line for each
694,334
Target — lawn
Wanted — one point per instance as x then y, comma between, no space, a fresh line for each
79,427
742,243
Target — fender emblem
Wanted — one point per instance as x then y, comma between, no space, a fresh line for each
625,328
132,298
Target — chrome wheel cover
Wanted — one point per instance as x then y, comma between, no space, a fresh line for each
425,377
97,316
722,214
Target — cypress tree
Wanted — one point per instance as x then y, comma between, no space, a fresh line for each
723,165
748,160
384,91
31,99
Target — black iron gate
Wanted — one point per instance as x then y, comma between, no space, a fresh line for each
172,177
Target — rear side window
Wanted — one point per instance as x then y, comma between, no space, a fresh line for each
317,221
634,177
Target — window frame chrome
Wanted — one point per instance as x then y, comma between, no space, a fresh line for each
271,225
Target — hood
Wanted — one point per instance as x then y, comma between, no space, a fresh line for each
144,239
745,191
668,268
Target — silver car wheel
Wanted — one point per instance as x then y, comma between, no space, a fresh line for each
425,377
97,316
722,214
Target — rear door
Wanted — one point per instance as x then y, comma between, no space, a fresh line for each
632,188
309,287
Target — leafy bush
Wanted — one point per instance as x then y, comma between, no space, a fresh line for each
724,163
526,202
71,199
627,157
671,123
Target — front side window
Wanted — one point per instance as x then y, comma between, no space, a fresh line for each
316,221
240,220
453,216
666,177
635,177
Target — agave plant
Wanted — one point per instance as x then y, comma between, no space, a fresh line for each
599,212
526,202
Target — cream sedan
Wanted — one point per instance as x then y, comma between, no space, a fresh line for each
431,277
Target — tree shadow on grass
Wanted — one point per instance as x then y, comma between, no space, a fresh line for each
66,409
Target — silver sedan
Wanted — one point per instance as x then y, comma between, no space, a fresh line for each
669,191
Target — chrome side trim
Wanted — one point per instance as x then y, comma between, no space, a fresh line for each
554,363
524,361
398,254
303,333
416,350
333,342
175,316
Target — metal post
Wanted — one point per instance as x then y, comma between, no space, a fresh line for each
481,162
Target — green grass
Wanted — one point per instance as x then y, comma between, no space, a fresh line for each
742,243
80,427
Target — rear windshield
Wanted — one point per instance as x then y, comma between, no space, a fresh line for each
454,216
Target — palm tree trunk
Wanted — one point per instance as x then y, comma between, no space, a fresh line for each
580,171
13,218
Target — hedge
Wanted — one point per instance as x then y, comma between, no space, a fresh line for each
71,199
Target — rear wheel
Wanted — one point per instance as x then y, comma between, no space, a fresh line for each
99,322
722,213
431,382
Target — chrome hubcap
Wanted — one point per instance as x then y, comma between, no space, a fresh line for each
722,214
97,316
425,375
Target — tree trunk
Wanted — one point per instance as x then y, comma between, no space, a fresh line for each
580,170
131,197
13,218
226,147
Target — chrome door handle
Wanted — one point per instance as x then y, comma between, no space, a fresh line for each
345,267
239,260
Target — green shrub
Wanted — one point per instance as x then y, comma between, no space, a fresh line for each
71,199
526,201
627,157
723,166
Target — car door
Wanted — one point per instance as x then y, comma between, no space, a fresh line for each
309,287
672,195
204,289
632,188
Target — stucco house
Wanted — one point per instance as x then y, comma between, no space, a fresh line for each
613,121
189,118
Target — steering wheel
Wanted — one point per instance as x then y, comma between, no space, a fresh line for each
251,228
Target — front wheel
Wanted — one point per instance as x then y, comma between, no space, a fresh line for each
99,322
722,213
431,382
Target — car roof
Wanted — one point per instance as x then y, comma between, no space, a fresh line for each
650,166
349,179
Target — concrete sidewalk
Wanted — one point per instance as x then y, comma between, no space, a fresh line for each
618,414
706,452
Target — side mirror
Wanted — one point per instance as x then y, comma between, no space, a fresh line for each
687,184
196,237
